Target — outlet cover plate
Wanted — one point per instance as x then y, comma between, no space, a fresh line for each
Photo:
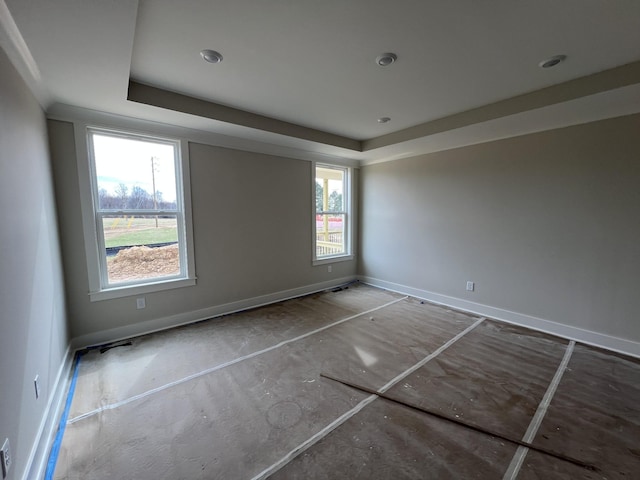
5,458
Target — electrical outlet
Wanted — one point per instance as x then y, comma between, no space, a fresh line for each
36,384
471,286
329,268
141,303
5,458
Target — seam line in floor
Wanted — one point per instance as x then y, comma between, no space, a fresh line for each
536,421
223,365
350,413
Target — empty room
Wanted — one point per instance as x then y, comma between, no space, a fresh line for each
319,240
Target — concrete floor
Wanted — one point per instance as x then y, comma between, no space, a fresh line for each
241,397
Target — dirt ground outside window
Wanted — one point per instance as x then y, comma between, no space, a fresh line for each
142,262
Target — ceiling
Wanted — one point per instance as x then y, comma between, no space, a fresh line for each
301,75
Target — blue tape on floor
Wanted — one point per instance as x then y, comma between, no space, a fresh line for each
55,449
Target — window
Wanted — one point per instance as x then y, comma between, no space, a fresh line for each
332,212
139,223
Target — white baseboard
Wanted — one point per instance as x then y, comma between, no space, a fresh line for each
150,326
39,455
616,344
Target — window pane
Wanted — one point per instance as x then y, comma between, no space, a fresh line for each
141,247
329,190
134,174
330,238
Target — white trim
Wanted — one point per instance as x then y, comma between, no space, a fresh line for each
602,340
39,455
86,205
348,188
140,289
12,42
187,215
150,326
67,113
336,259
93,240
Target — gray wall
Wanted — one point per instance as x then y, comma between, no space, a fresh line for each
547,225
252,235
33,337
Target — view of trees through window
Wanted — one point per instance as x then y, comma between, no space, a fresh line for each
135,197
334,200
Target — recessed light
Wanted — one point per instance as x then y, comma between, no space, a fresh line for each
211,56
386,59
552,61
384,120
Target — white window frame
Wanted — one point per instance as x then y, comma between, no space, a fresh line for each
347,202
99,289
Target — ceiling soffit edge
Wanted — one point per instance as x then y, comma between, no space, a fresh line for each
102,119
563,92
154,96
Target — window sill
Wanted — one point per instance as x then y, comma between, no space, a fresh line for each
336,259
131,290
